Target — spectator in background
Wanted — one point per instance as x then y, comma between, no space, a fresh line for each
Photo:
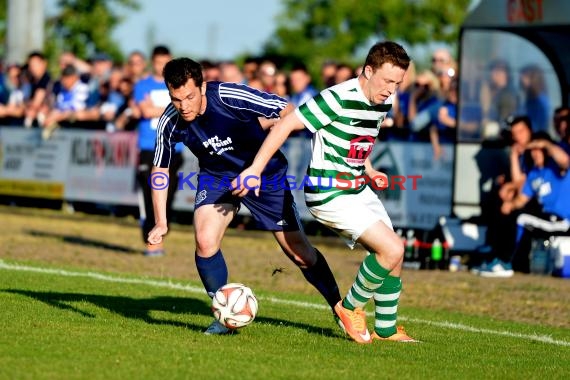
297,147
424,105
501,228
69,58
446,76
40,86
230,72
128,113
343,73
558,152
498,97
12,107
102,114
151,97
136,67
535,103
250,69
72,97
562,126
399,111
302,88
211,70
520,134
470,124
3,89
358,70
444,129
266,75
135,70
101,67
441,60
543,184
282,85
113,100
328,71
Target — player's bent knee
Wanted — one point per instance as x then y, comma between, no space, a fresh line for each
207,247
395,253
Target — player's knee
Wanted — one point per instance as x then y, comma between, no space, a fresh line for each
206,246
396,250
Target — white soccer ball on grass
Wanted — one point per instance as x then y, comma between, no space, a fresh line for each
234,305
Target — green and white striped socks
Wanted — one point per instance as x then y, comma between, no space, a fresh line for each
370,277
386,300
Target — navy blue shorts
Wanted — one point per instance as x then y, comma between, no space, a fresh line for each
273,210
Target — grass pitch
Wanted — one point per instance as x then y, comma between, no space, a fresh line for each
80,301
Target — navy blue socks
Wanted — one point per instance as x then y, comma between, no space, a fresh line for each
213,272
321,277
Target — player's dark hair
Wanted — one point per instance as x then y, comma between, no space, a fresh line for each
177,72
387,52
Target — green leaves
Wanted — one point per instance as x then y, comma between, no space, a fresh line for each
316,30
85,26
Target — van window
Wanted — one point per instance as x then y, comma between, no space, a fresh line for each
502,74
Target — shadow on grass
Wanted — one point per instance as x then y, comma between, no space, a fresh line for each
141,309
72,239
302,326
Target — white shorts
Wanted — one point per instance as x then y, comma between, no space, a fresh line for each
350,215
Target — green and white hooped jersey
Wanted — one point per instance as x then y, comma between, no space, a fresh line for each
345,126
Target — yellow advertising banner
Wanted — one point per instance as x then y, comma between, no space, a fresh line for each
32,189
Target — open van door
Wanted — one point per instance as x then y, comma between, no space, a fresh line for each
501,41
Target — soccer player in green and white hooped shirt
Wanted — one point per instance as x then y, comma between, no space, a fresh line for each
345,120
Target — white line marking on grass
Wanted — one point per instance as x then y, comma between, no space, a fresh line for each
458,326
103,277
194,289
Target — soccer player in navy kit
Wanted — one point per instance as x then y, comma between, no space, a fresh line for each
224,124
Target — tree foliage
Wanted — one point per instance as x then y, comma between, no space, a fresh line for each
315,30
84,27
3,24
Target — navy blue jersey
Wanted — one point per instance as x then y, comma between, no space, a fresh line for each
226,138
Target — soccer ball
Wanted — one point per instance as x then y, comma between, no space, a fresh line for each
234,305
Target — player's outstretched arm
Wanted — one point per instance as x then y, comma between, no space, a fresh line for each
159,180
274,140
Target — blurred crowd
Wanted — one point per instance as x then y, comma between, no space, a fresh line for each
98,93
93,94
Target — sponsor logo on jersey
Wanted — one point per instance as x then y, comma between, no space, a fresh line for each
218,145
360,148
